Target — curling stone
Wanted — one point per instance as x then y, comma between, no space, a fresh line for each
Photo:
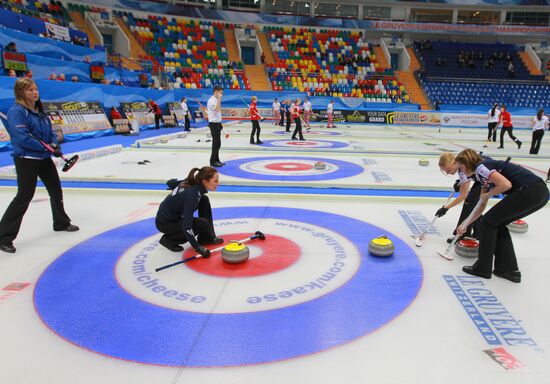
319,165
163,141
381,247
467,247
235,253
518,226
423,162
150,142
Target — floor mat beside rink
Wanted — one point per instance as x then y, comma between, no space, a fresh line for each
309,299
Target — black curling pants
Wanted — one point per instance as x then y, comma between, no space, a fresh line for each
503,130
288,121
255,131
467,208
495,239
203,226
536,140
492,127
298,129
216,131
28,171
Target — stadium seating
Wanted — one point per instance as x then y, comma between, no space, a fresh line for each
330,63
483,93
449,82
192,53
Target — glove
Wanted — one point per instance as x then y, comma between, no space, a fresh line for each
204,252
441,211
456,185
56,150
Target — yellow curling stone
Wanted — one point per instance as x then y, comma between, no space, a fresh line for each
235,253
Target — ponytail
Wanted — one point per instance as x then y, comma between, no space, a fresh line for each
197,176
540,112
493,110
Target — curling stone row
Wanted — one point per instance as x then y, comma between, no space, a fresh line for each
423,162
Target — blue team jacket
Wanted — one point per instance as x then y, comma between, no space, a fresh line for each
21,121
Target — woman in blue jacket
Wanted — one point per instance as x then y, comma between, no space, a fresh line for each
32,161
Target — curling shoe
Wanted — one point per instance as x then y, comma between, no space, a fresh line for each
470,270
68,228
8,248
514,276
170,245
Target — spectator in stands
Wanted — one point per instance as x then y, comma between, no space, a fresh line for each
511,70
153,107
480,55
118,82
87,59
489,64
440,62
32,161
262,57
11,73
53,76
75,79
471,63
61,77
28,75
540,123
11,47
115,114
105,82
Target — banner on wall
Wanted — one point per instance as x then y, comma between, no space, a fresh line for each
480,120
351,116
138,113
401,26
413,118
57,32
76,117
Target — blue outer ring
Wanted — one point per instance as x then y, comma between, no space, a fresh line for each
79,298
333,144
345,169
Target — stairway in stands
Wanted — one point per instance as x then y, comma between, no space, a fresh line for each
411,84
80,24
